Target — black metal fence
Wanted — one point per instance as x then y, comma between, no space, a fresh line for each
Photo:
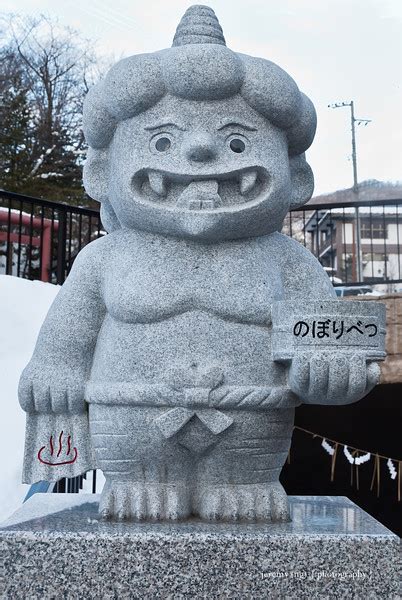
73,485
40,239
359,243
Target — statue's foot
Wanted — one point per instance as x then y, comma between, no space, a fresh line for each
142,501
255,502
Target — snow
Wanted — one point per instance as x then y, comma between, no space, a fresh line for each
41,505
15,211
47,175
23,306
40,160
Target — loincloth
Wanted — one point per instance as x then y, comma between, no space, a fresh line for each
205,403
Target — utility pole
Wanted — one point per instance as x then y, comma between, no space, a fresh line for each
354,157
357,262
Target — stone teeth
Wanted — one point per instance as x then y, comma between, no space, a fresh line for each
157,181
247,181
194,205
200,195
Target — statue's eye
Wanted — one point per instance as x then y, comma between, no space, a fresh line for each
237,145
162,144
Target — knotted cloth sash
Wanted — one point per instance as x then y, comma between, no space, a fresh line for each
204,402
173,420
223,397
208,403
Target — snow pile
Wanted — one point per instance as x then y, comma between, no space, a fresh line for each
41,505
23,307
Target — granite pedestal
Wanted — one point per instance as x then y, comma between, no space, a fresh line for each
55,546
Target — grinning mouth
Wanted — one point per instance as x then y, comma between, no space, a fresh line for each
201,192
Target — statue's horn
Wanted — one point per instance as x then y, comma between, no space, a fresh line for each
199,25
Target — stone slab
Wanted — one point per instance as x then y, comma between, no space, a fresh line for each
330,325
55,546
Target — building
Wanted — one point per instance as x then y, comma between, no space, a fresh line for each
358,237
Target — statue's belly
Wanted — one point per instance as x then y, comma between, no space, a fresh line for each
163,351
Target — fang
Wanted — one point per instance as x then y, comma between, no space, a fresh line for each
157,183
247,181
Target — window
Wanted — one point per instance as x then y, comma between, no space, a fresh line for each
373,230
375,257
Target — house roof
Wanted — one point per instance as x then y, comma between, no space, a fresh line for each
371,189
322,216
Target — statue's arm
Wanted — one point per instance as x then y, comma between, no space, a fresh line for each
319,376
54,379
302,275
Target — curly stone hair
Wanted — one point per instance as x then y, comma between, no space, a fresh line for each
198,66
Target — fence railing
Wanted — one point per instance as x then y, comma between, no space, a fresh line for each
40,239
359,243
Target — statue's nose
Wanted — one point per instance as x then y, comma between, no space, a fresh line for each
200,147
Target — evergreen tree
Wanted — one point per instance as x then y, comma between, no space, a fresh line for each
16,131
43,81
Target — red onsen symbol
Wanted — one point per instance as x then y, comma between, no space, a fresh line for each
73,457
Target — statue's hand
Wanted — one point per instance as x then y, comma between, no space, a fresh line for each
44,389
332,377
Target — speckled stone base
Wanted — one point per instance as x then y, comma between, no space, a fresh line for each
55,547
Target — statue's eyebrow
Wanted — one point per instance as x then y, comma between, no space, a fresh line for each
237,124
164,124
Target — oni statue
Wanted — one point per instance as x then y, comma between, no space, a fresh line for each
173,357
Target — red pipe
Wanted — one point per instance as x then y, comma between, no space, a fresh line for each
44,241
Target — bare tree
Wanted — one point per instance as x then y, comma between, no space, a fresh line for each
57,67
58,63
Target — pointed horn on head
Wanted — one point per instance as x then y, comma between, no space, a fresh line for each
199,25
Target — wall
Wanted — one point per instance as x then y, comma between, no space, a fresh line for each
391,367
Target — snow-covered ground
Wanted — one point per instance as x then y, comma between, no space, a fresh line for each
23,307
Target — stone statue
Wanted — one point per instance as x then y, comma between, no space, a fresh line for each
177,349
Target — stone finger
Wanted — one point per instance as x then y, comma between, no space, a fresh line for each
373,375
357,377
318,383
338,379
41,397
75,400
299,375
58,400
25,395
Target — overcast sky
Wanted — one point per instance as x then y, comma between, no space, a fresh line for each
335,50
